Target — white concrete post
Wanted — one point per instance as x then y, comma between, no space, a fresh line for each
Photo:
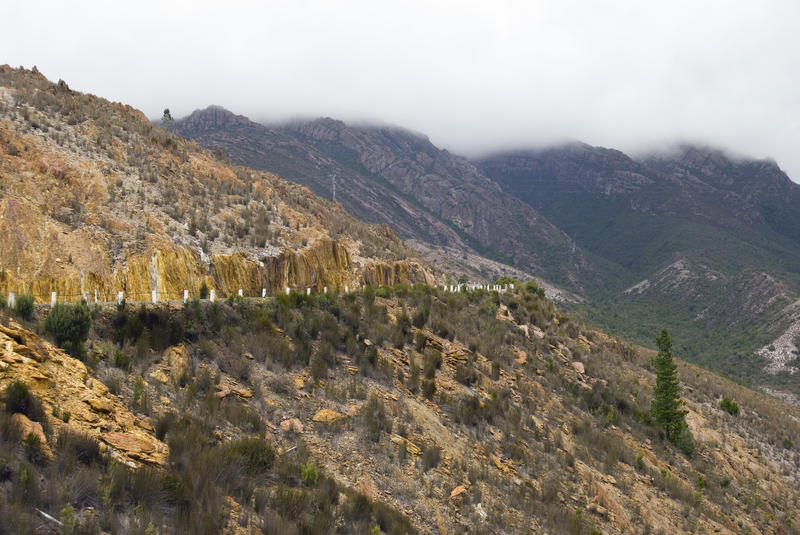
240,293
213,295
53,299
263,292
512,285
12,299
120,297
308,291
345,289
154,296
95,296
185,296
287,290
325,290
86,297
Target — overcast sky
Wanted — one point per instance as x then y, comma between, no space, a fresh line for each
473,76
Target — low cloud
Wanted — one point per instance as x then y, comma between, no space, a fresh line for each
474,76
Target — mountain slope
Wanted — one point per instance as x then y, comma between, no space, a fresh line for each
96,198
409,409
701,242
393,176
392,409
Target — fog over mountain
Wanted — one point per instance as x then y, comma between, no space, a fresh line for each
474,76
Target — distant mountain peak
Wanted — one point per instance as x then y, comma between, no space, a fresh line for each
212,119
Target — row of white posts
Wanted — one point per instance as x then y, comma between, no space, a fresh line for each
487,287
213,293
154,295
308,290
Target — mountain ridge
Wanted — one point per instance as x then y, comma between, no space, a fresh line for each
624,219
399,176
731,215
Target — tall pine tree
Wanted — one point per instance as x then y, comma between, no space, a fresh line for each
666,405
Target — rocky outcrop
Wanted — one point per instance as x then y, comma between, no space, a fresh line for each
169,270
325,263
88,208
64,384
328,416
382,273
27,427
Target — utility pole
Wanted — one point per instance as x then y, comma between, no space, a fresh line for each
333,181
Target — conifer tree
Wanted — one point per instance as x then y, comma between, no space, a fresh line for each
666,405
166,120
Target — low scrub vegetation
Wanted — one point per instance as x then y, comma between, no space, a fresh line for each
69,325
439,389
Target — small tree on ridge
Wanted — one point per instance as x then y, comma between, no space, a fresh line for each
666,404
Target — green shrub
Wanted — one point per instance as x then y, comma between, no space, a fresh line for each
164,423
290,502
260,499
82,447
468,410
254,455
413,375
420,317
18,398
319,368
3,302
375,418
122,361
34,450
309,473
431,457
69,325
23,306
433,361
420,340
465,373
535,289
428,388
729,406
684,441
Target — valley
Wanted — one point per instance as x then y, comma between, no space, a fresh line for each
693,239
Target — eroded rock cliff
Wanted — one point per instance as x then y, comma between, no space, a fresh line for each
93,198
